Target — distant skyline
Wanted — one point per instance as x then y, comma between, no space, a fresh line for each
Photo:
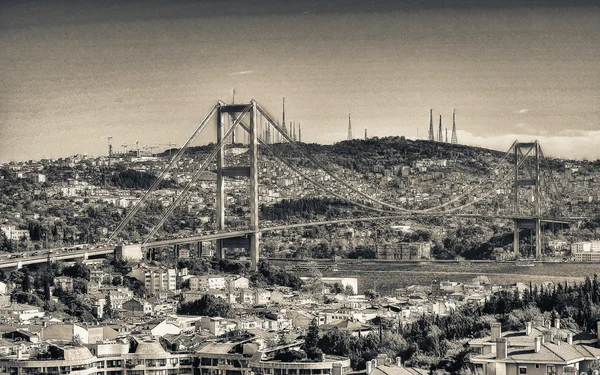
75,73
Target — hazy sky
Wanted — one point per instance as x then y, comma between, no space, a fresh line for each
74,73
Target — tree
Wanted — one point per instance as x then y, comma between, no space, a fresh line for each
77,270
207,305
26,284
371,294
107,311
311,342
290,355
5,244
349,291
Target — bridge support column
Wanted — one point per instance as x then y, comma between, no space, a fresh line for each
220,201
254,204
538,238
254,250
516,239
219,249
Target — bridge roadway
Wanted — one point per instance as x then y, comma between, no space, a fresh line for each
60,254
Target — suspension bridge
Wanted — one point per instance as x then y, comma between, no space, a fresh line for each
519,172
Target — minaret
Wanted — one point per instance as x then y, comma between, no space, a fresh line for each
454,140
431,133
291,134
440,139
366,137
349,127
283,113
299,132
446,136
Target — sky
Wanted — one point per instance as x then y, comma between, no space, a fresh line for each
75,73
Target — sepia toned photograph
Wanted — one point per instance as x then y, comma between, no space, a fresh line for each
300,187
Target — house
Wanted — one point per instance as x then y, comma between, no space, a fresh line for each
239,283
556,357
353,328
135,307
161,328
64,282
21,312
382,365
216,325
262,297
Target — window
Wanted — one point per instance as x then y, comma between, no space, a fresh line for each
522,370
551,370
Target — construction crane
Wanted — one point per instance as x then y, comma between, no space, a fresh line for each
170,145
151,148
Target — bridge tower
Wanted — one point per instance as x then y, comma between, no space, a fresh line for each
251,241
522,152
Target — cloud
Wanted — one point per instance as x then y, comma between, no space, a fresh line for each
522,110
241,73
574,144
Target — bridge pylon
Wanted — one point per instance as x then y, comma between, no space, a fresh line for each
522,151
252,241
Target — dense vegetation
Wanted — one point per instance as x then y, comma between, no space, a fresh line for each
577,304
131,179
306,208
207,305
432,341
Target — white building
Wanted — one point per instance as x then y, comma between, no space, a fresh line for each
13,234
160,280
207,282
586,251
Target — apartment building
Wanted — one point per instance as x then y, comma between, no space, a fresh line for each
207,282
586,251
405,251
160,280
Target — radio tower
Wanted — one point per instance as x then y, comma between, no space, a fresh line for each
440,139
349,127
454,139
431,134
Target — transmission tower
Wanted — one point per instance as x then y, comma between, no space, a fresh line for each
431,134
454,139
349,127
